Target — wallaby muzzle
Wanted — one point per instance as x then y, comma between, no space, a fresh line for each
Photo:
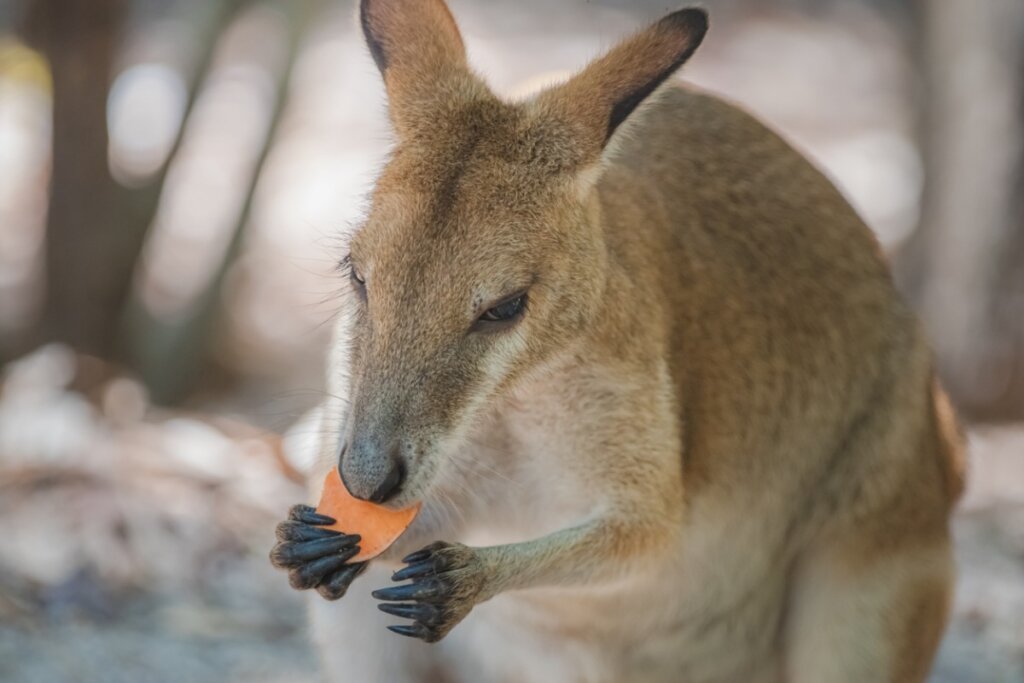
372,468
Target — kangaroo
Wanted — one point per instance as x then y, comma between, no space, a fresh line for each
647,373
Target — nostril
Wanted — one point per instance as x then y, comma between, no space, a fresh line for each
392,483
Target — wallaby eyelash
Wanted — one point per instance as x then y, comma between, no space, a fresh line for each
344,266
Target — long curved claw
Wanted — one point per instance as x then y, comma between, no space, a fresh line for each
312,574
288,555
445,582
316,557
336,585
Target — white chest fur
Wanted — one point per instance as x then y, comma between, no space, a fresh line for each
709,610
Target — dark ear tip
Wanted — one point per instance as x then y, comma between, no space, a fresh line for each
692,20
372,42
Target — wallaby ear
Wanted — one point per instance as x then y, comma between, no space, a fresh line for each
417,47
598,99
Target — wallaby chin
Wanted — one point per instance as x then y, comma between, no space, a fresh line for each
645,370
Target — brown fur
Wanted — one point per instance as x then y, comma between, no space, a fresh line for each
723,419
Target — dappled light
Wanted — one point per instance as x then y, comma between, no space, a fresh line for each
145,109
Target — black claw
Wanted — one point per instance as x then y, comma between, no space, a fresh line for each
296,554
424,613
312,574
415,571
417,556
297,531
411,630
336,585
308,515
420,590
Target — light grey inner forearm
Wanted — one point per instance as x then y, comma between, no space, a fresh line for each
575,555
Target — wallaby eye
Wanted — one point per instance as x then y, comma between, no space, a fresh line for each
358,281
353,273
507,311
357,278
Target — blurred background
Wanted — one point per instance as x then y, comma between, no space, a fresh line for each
175,178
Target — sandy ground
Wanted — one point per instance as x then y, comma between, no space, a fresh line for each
244,624
135,545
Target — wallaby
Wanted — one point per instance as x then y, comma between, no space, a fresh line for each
648,375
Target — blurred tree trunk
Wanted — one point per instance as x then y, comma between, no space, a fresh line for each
87,268
964,267
96,228
1008,304
171,355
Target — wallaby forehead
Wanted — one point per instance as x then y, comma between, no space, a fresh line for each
415,237
486,169
480,147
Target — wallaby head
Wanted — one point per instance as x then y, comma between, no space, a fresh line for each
482,254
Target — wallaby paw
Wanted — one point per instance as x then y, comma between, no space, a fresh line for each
447,579
315,557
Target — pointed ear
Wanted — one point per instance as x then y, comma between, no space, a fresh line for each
417,48
598,99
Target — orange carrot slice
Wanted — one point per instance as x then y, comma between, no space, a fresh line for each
379,526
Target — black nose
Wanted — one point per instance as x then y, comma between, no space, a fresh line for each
392,483
362,476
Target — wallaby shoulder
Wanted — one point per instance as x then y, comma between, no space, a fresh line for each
712,165
741,236
746,250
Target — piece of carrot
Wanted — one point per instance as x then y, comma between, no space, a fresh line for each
379,526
